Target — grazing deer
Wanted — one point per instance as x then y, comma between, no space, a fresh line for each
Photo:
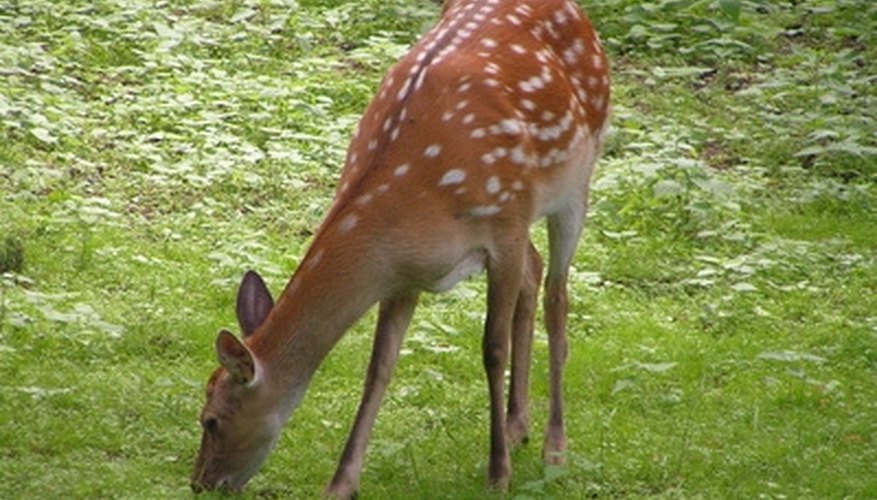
492,121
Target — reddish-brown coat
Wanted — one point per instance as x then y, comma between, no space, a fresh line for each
493,120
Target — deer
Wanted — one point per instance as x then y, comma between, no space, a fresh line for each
493,120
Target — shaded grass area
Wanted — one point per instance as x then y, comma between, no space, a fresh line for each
723,326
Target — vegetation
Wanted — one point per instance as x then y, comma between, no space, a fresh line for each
724,317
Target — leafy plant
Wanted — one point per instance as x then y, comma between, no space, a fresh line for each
722,301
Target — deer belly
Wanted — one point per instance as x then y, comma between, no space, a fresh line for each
471,264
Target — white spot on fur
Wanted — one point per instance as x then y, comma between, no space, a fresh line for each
432,151
420,78
510,126
453,176
485,210
524,10
404,90
570,57
315,259
348,223
493,185
543,56
517,155
532,85
402,169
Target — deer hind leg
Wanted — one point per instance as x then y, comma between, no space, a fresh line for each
518,418
564,229
504,277
393,319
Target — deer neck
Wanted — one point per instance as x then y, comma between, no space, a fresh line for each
335,284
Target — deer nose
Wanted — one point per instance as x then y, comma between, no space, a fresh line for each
199,484
223,485
201,487
197,487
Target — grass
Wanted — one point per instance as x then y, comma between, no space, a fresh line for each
724,339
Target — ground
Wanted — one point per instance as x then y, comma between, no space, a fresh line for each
723,325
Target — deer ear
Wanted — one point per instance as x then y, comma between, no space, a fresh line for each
235,358
253,304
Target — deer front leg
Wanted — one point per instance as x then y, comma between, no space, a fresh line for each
518,419
504,274
393,319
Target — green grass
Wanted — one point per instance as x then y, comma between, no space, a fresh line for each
723,325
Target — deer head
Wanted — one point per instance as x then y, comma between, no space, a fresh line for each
241,419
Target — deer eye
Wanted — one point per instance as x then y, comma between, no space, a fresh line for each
210,424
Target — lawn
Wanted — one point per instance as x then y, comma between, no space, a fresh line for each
723,300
